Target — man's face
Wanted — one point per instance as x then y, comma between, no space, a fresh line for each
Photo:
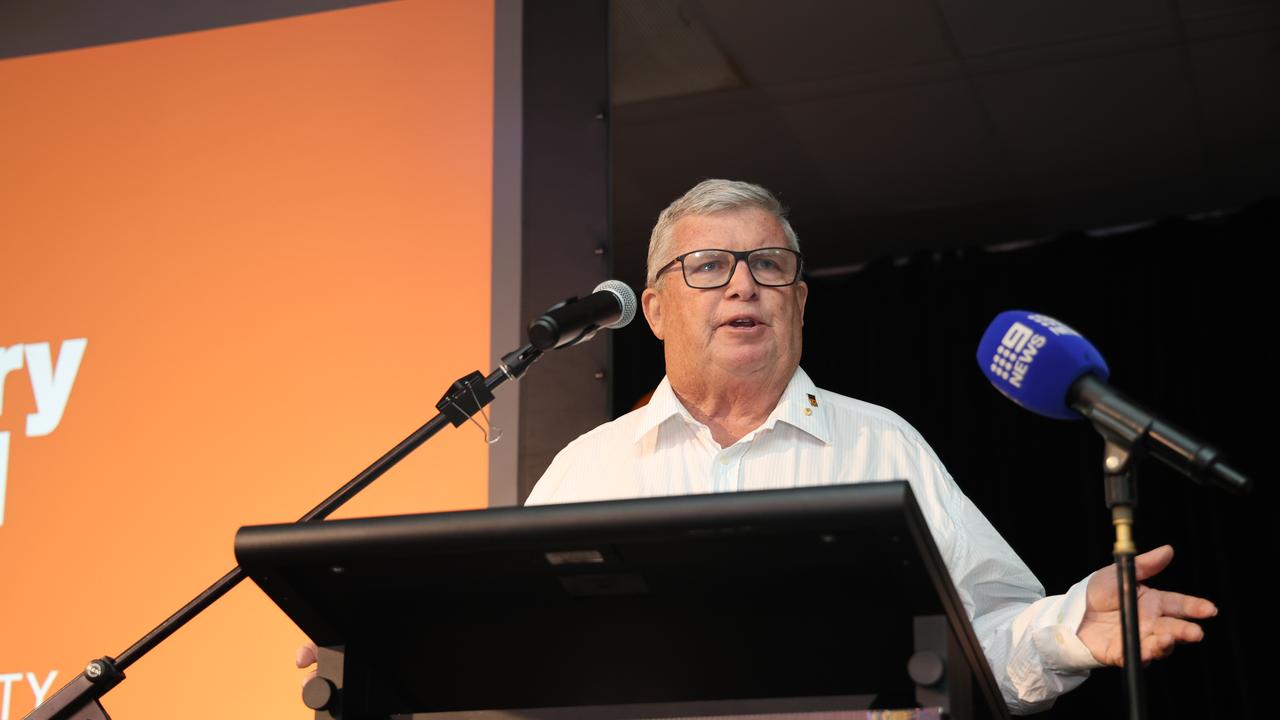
742,328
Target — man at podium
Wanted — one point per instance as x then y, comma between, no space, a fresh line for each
736,412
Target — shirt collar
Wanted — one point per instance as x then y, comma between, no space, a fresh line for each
800,406
663,406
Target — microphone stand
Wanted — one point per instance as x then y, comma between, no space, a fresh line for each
1121,479
79,699
1126,433
1125,439
1130,434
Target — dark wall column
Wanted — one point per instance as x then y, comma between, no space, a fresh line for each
506,312
565,228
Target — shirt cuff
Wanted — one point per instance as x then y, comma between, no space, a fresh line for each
1058,644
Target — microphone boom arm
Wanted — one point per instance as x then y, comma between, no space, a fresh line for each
79,698
1122,421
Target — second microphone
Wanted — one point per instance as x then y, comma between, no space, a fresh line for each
611,305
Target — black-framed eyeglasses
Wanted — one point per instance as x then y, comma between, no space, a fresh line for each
713,268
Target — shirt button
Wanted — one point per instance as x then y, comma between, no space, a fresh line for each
724,461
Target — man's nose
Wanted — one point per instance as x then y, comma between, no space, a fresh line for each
743,283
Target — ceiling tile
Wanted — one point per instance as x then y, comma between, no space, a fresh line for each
774,42
1237,80
1095,123
900,148
987,26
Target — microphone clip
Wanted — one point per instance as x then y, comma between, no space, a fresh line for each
466,397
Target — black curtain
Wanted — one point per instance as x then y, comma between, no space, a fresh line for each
1178,309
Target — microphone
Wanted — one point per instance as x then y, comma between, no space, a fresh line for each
611,305
1050,369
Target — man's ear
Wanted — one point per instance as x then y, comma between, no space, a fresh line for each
651,303
802,294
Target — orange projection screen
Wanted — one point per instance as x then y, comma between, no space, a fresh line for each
238,265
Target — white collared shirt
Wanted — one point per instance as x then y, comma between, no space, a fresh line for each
817,437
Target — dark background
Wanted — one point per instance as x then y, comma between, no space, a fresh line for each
1114,165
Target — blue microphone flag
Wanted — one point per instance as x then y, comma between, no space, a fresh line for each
1034,359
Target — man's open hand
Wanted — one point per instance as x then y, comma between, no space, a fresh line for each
1164,618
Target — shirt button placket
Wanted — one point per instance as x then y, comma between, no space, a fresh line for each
719,468
730,463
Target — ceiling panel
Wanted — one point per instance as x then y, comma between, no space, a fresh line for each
1236,79
986,26
914,147
774,42
1216,8
1096,123
660,51
916,124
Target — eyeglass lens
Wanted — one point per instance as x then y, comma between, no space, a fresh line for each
713,268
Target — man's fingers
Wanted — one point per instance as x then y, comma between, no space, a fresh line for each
1145,565
1188,606
1157,647
305,656
1159,638
1152,561
1181,631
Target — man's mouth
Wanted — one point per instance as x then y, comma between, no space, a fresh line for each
743,322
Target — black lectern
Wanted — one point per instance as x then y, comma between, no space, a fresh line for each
813,599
